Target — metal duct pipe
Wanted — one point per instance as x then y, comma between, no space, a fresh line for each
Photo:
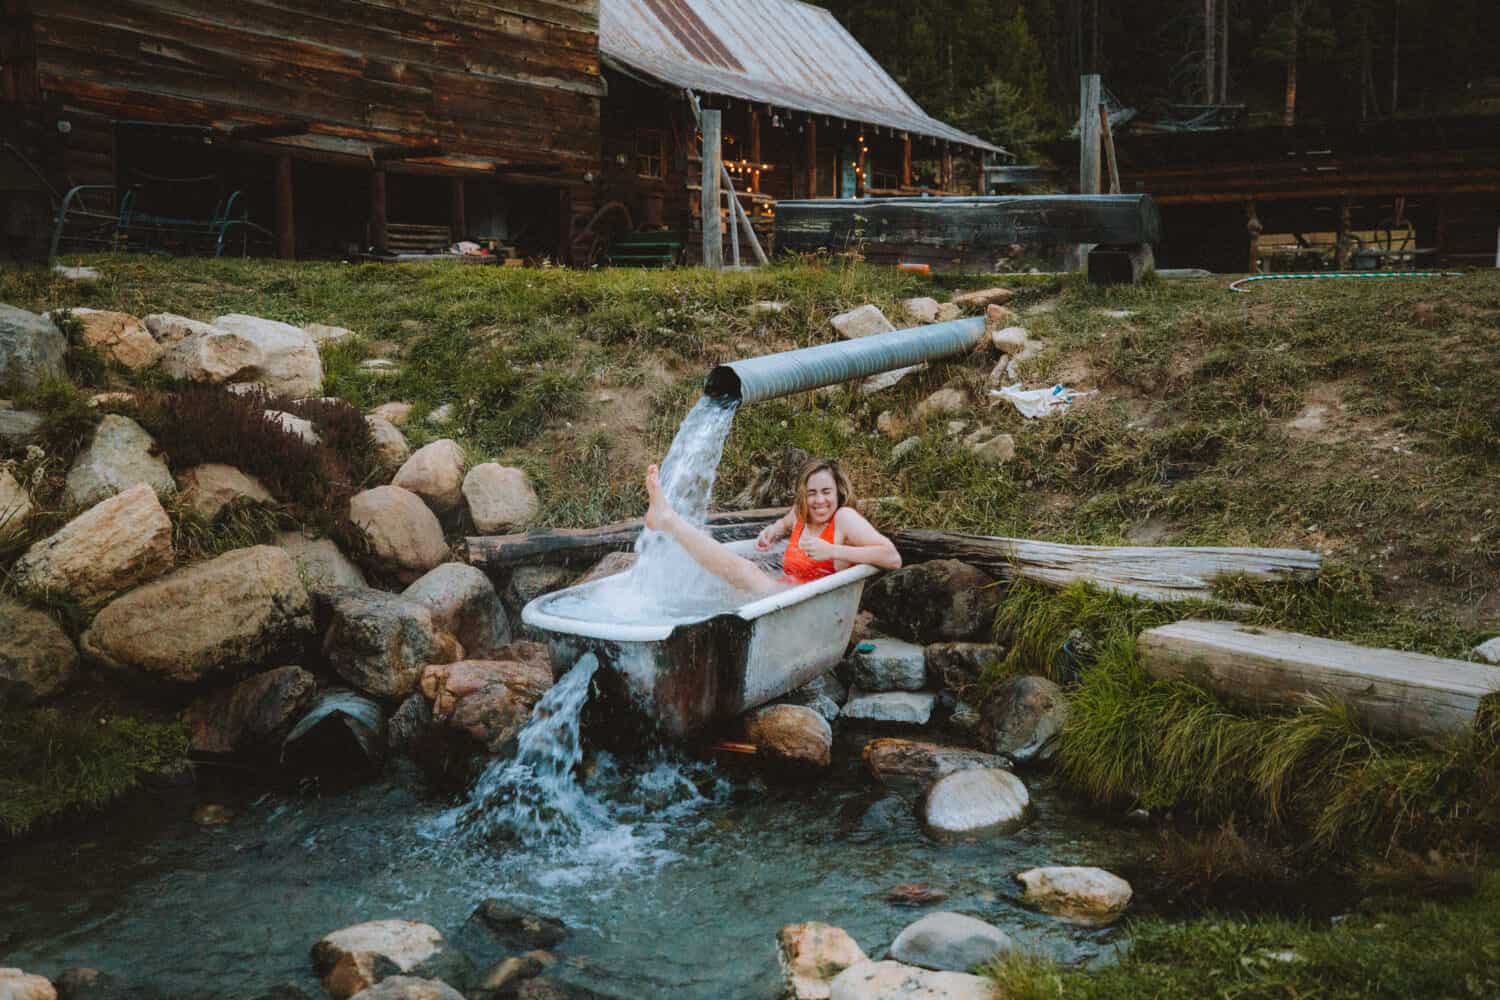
772,375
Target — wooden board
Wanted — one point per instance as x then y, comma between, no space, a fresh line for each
1395,694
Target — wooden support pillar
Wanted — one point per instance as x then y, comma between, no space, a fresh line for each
708,196
1088,135
456,210
286,225
755,151
377,211
906,159
565,227
812,157
947,169
860,182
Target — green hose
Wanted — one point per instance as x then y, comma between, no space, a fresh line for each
1234,286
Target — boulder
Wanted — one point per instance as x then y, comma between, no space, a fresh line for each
861,322
464,602
320,565
391,449
299,427
18,428
119,455
909,767
169,329
84,983
1009,340
356,958
207,489
403,533
409,988
31,348
612,564
435,472
15,506
114,545
243,609
888,665
18,985
380,642
950,942
489,700
983,298
395,413
935,601
944,402
527,583
1023,717
978,802
290,364
1089,896
921,310
36,657
957,666
794,734
253,716
201,352
502,978
500,498
811,955
322,333
995,450
516,928
911,708
1489,650
894,981
119,337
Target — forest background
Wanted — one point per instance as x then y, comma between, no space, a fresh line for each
1007,70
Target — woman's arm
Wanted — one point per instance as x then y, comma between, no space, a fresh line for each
861,544
776,530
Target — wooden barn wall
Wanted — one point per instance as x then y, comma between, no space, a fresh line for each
515,81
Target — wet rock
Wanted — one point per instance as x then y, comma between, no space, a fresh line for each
811,955
490,700
861,322
500,498
610,565
435,472
909,767
409,988
18,985
943,403
84,983
921,310
1009,340
894,981
914,894
528,583
119,455
395,414
463,601
322,333
935,601
356,958
119,337
957,666
983,298
977,802
504,976
31,348
380,642
320,565
114,545
253,716
889,665
18,428
791,733
290,364
37,659
1089,896
391,449
1023,717
244,608
403,533
209,488
950,942
1489,650
913,708
519,929
408,724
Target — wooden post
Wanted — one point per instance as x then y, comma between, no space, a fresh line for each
755,151
456,210
860,184
377,211
812,157
906,159
286,225
947,169
1109,150
708,198
1088,136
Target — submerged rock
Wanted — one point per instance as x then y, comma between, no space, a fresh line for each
253,716
517,928
888,665
1089,896
950,942
114,545
36,657
895,981
811,955
909,767
913,708
977,802
409,988
356,958
791,733
463,601
935,601
1023,718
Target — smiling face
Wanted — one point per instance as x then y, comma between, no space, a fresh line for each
822,497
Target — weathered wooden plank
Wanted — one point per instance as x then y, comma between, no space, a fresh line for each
1395,694
983,224
581,547
1155,573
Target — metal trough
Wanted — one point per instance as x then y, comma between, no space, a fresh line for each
686,674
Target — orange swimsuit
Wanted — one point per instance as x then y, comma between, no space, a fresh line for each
796,567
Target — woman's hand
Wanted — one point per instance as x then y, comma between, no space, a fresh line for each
770,535
817,550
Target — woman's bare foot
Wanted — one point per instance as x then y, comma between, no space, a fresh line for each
659,514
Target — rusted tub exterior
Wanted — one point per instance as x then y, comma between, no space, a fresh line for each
686,675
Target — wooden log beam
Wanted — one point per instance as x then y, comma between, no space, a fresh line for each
584,547
1153,573
268,130
1395,694
384,154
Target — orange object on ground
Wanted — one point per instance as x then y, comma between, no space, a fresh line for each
796,567
916,268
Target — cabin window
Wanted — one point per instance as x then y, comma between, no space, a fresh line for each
651,153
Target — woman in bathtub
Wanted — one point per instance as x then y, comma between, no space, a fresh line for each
823,530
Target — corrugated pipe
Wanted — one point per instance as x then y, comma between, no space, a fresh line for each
773,375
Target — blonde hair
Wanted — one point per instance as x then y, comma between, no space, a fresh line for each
841,488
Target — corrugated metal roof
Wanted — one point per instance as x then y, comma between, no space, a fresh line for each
780,52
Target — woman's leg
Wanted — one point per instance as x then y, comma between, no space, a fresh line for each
705,550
